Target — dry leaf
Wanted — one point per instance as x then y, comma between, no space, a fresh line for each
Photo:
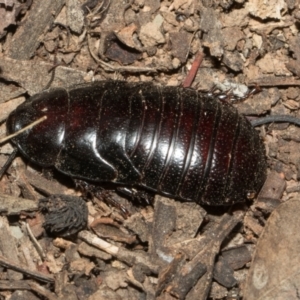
274,273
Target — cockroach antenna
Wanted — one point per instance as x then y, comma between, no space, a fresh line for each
15,152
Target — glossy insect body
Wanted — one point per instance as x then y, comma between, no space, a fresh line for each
177,142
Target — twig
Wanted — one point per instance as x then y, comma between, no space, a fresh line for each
41,290
12,266
129,257
38,247
26,285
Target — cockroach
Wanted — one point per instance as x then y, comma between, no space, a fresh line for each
173,141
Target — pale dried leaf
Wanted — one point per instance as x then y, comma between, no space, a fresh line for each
274,273
267,9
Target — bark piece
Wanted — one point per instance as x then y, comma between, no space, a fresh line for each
139,225
170,226
112,232
212,37
43,184
202,263
211,247
179,277
180,44
75,17
223,273
273,187
14,206
26,40
237,257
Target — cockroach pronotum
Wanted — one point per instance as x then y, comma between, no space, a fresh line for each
173,141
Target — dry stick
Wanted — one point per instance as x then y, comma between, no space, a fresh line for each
193,71
271,81
23,129
35,242
12,266
42,290
26,285
122,254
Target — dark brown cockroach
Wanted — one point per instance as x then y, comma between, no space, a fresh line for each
173,141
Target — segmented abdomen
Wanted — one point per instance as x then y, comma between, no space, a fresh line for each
174,141
193,147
